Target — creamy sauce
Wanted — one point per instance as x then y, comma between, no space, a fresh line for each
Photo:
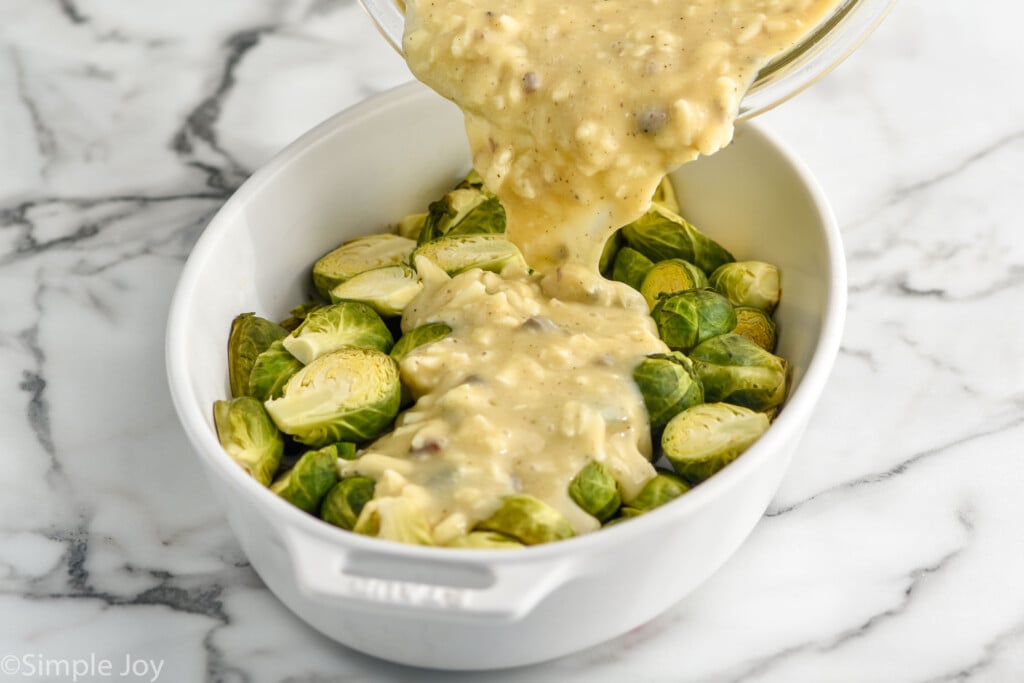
574,111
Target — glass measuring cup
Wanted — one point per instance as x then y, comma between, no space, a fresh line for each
785,76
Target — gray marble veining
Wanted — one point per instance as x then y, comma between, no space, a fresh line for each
892,552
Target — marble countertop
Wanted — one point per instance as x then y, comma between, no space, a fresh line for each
892,552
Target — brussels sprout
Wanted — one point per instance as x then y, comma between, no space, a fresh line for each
528,519
357,256
346,323
609,253
459,253
665,196
347,395
387,290
271,371
411,226
417,337
298,314
396,519
748,283
756,325
346,450
703,439
661,234
485,540
662,488
669,385
631,267
250,336
596,491
736,370
671,276
343,503
249,437
685,319
463,211
306,484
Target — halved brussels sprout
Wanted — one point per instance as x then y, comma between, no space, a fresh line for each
357,256
703,439
735,370
685,319
387,290
528,519
671,276
463,211
669,385
417,337
485,540
596,491
250,336
347,395
748,283
271,371
459,253
396,519
756,325
306,484
249,437
343,503
631,267
346,323
665,195
662,488
661,234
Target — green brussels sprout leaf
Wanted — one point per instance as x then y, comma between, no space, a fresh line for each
528,519
343,503
357,256
250,336
249,437
417,337
671,276
661,488
387,290
306,484
271,371
687,318
661,234
735,370
756,325
596,491
348,395
631,267
669,385
703,439
748,283
459,253
340,325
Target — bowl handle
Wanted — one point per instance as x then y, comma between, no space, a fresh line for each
452,589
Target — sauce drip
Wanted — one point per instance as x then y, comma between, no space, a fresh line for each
574,111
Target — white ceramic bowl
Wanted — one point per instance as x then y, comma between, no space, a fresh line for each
465,609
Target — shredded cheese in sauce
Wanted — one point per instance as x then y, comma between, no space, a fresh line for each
574,112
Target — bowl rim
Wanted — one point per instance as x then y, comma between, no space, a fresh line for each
788,425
